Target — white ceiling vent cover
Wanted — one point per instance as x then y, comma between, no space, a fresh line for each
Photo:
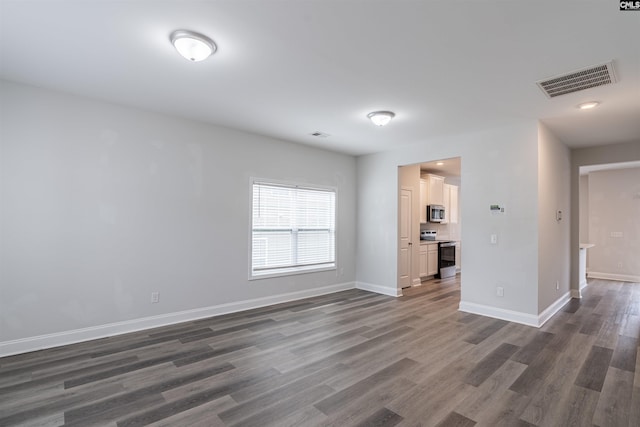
575,81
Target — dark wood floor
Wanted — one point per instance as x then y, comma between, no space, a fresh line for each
348,359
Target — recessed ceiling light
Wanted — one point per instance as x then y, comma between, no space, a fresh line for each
439,163
193,46
588,105
381,118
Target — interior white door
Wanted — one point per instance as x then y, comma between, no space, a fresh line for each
405,244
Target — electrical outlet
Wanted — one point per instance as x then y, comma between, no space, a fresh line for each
620,264
155,297
494,239
500,291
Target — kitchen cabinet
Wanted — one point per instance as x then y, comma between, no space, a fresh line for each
431,193
423,261
432,259
450,204
428,259
446,203
436,189
453,204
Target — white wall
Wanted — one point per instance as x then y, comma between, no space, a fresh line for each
498,167
614,224
101,205
598,155
554,236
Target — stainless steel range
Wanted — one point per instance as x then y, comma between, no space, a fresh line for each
446,259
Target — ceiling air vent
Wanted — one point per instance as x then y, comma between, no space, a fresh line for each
575,81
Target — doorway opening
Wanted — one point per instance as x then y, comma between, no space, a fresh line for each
609,208
429,225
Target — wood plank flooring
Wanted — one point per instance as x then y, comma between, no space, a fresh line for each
347,359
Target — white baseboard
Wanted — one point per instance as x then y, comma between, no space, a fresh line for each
25,345
577,293
516,316
499,313
584,285
384,290
612,276
553,308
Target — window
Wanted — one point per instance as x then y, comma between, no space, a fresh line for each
293,229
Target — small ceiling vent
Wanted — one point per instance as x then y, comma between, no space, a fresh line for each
575,81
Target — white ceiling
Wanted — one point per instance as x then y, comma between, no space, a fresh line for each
445,167
287,68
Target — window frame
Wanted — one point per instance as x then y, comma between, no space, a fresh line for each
292,270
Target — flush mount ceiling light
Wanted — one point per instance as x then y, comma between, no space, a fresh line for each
588,105
193,46
381,118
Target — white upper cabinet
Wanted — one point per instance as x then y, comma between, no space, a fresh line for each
450,204
446,203
436,190
431,193
453,211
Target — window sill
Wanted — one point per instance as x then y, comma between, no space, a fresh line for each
291,272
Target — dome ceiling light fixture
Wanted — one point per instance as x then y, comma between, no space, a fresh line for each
588,105
381,118
193,46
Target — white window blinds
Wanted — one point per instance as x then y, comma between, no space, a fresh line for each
293,229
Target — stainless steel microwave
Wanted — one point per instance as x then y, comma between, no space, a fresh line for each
435,213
